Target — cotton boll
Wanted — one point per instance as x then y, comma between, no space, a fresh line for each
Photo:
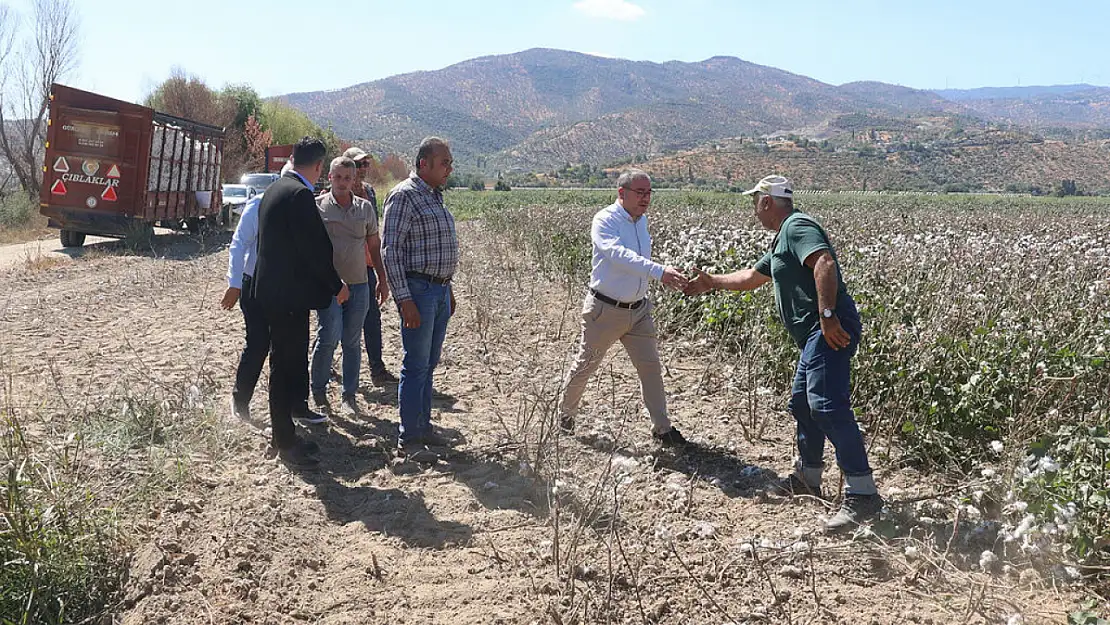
987,560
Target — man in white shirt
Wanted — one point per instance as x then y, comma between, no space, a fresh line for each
617,308
242,257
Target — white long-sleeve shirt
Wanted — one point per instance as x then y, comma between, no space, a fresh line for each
244,245
622,265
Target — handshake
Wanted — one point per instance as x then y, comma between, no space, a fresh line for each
700,283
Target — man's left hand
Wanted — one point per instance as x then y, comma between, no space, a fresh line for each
834,333
453,302
382,292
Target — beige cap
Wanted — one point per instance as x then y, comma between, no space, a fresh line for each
355,154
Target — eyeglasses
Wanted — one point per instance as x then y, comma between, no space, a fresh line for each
640,193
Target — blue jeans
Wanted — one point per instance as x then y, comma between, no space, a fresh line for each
821,404
422,347
372,328
338,323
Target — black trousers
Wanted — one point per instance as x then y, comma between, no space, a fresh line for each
258,345
288,371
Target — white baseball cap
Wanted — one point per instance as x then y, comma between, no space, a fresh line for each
777,186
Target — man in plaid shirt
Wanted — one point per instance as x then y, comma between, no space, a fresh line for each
420,251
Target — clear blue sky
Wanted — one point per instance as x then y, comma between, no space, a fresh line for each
128,46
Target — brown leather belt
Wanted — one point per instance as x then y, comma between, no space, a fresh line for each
613,302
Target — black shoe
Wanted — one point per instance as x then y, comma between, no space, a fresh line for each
308,416
854,510
566,423
792,486
416,450
671,438
298,456
320,399
240,409
432,439
309,447
383,378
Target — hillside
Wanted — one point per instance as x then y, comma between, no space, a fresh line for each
977,161
544,107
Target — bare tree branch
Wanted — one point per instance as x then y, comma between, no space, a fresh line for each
48,54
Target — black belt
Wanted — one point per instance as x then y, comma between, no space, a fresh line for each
424,276
613,302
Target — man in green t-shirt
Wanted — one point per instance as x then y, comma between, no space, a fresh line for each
822,319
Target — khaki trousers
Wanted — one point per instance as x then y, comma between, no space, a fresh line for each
604,324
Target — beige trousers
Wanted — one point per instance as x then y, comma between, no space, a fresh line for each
604,324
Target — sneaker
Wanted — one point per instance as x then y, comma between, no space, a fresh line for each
792,486
309,417
383,378
854,510
298,456
671,438
240,409
350,405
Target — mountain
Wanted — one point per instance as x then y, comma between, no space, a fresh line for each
543,107
540,109
1080,107
1010,93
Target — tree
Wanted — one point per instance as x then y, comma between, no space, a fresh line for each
188,96
287,124
1066,188
28,69
257,140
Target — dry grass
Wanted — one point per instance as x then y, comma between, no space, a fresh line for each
34,230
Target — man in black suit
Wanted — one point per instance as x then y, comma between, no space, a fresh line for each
295,274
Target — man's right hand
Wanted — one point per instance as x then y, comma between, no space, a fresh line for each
674,279
344,295
701,283
231,295
410,316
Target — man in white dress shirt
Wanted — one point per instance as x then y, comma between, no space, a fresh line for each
617,308
242,257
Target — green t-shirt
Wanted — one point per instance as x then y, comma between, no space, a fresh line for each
795,288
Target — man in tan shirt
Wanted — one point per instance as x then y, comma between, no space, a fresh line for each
351,224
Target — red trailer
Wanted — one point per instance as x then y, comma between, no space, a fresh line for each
114,168
277,156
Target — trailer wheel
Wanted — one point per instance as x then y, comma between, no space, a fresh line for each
72,238
140,234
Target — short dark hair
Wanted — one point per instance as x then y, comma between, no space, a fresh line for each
309,151
428,149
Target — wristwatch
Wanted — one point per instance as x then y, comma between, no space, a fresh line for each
827,313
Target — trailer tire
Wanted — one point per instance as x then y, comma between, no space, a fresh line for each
140,234
72,238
